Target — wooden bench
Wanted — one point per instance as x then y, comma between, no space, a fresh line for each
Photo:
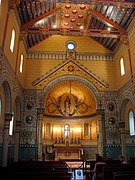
38,175
124,175
107,172
37,170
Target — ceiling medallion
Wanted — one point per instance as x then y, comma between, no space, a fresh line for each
68,6
67,15
80,16
74,11
82,7
65,24
78,24
73,20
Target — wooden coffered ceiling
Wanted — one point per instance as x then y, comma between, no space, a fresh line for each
106,21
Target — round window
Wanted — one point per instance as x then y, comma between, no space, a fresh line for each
71,45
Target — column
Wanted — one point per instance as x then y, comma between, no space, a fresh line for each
100,128
8,118
123,137
39,134
16,140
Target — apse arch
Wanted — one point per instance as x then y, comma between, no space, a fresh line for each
89,85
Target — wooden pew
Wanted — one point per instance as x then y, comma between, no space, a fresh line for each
107,171
38,175
124,175
37,171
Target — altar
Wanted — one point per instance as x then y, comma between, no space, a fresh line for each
68,150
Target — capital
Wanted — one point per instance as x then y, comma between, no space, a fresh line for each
18,123
100,111
122,126
8,116
40,110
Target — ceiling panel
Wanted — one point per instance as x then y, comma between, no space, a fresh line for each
42,18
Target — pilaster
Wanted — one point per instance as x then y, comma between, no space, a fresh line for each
8,118
100,128
123,137
40,112
16,142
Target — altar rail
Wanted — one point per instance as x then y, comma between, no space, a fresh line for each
75,164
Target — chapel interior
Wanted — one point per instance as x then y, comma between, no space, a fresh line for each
67,79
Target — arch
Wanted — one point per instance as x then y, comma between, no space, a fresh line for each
89,85
2,99
8,97
123,102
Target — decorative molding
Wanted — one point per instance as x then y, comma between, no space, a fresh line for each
79,56
63,69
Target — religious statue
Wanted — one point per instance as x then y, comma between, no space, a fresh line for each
67,104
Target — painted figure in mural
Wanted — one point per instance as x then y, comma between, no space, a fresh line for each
67,104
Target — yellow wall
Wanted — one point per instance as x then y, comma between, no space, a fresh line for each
103,69
12,23
21,76
36,67
121,80
3,16
58,43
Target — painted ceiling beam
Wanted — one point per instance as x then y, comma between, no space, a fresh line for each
129,4
74,32
33,21
106,20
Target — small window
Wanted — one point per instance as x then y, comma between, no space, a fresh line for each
21,63
0,2
122,67
12,42
11,126
131,123
67,130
